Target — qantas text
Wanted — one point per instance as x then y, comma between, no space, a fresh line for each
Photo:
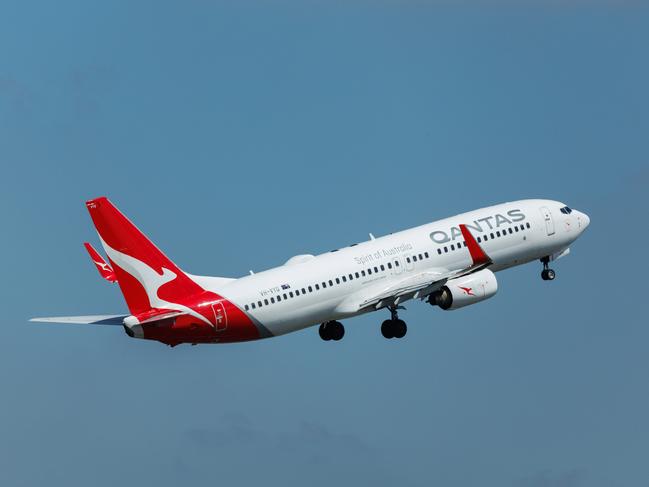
479,225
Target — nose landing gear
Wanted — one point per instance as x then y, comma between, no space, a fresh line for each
547,274
394,327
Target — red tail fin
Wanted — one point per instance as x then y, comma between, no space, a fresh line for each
147,278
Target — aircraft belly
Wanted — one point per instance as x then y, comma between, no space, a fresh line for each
296,318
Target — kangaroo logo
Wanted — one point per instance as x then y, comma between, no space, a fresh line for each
467,290
151,281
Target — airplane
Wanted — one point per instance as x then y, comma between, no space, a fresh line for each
450,263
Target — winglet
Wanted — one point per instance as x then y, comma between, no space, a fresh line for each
477,254
102,266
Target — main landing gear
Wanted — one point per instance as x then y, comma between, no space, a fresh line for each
547,274
394,327
332,330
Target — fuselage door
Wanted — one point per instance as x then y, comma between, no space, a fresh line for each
549,223
220,316
396,269
409,263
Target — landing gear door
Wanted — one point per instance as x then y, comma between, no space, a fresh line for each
220,316
549,223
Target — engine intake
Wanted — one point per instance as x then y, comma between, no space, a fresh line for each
466,290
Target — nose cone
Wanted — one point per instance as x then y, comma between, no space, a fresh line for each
584,220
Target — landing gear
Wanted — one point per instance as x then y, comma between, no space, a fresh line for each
394,327
547,274
332,330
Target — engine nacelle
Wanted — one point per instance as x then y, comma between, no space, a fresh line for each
466,290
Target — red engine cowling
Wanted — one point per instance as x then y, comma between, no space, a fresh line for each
466,290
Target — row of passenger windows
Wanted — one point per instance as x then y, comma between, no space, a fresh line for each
331,282
376,269
486,237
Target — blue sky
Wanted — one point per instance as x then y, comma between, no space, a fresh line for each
237,134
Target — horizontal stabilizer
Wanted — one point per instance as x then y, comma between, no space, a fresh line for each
84,320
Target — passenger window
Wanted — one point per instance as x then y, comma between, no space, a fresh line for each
376,270
303,291
246,306
266,302
310,289
396,263
516,229
344,279
389,265
414,258
486,238
331,283
479,239
492,236
522,227
337,280
452,247
285,297
272,300
439,251
290,293
498,233
363,273
446,250
369,272
528,225
317,287
421,257
408,260
510,231
351,277
426,255
259,303
279,298
382,267
324,285
253,305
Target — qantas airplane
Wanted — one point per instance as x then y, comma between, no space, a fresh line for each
449,263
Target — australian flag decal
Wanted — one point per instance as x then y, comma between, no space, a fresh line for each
286,286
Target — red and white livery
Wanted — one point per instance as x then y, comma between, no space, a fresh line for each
449,263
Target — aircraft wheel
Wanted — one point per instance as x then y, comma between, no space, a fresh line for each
387,330
337,330
323,331
399,328
548,275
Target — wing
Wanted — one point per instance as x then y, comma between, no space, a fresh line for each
417,286
104,269
84,320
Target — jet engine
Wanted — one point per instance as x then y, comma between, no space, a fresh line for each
465,290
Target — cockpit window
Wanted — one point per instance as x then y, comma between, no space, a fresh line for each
565,210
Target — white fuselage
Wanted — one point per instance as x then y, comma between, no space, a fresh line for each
308,290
